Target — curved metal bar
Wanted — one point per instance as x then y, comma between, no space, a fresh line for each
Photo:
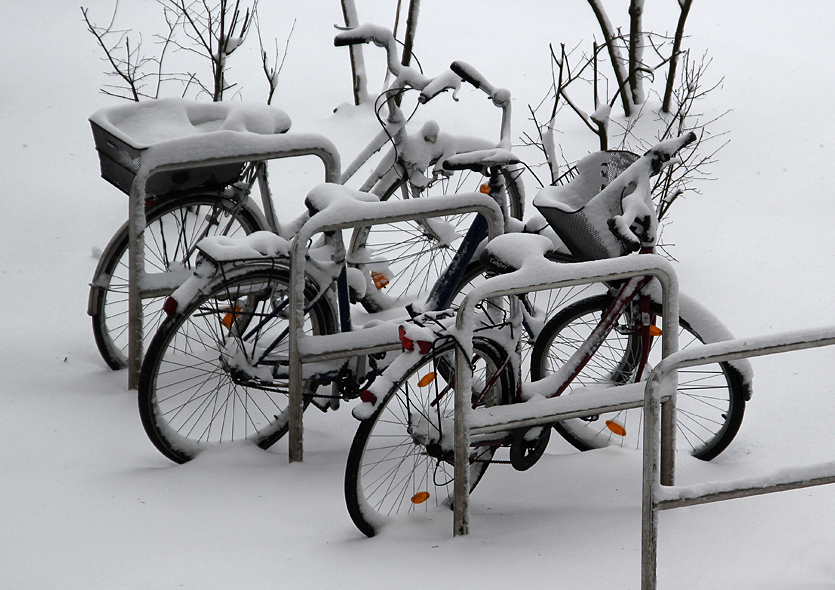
657,495
348,212
176,155
537,275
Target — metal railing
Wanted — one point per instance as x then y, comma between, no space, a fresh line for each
344,214
257,148
539,277
661,495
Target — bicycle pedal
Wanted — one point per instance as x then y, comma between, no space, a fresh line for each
325,403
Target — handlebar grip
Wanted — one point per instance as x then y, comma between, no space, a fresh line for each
365,33
442,83
343,40
499,96
469,74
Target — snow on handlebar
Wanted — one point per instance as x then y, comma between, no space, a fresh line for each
637,226
430,87
446,81
371,33
663,152
499,96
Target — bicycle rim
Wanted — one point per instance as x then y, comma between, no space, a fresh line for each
199,387
710,401
401,460
173,228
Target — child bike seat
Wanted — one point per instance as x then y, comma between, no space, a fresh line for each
579,210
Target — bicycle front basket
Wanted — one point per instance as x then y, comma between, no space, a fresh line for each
119,162
575,212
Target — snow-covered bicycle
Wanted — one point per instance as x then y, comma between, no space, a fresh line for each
217,370
401,459
184,206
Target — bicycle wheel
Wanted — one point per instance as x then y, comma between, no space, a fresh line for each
401,459
409,256
200,386
173,227
711,399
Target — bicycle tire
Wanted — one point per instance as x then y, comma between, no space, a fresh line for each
174,217
191,394
412,259
711,399
390,471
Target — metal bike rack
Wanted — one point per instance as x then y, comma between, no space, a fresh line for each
254,148
346,213
659,495
551,275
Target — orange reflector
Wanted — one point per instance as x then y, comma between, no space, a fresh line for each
485,188
420,497
229,318
616,427
380,279
654,331
426,379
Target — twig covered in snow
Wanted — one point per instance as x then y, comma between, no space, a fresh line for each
211,32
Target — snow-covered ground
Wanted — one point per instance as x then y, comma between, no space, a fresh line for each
87,502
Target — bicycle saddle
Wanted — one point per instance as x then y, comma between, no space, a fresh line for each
510,252
480,159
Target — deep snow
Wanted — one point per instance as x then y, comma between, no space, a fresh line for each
87,502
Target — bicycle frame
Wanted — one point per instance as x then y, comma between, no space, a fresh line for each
625,296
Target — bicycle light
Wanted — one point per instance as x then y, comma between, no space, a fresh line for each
170,306
616,427
230,317
420,497
408,344
426,379
368,397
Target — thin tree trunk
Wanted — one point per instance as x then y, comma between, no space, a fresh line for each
671,75
349,11
621,76
411,27
636,50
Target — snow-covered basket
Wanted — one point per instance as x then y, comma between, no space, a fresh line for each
124,132
579,210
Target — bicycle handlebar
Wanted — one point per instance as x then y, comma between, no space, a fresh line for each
663,152
637,226
367,33
499,96
446,81
429,87
371,33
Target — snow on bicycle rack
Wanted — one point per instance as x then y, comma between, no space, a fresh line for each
339,208
536,273
660,493
656,396
180,135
